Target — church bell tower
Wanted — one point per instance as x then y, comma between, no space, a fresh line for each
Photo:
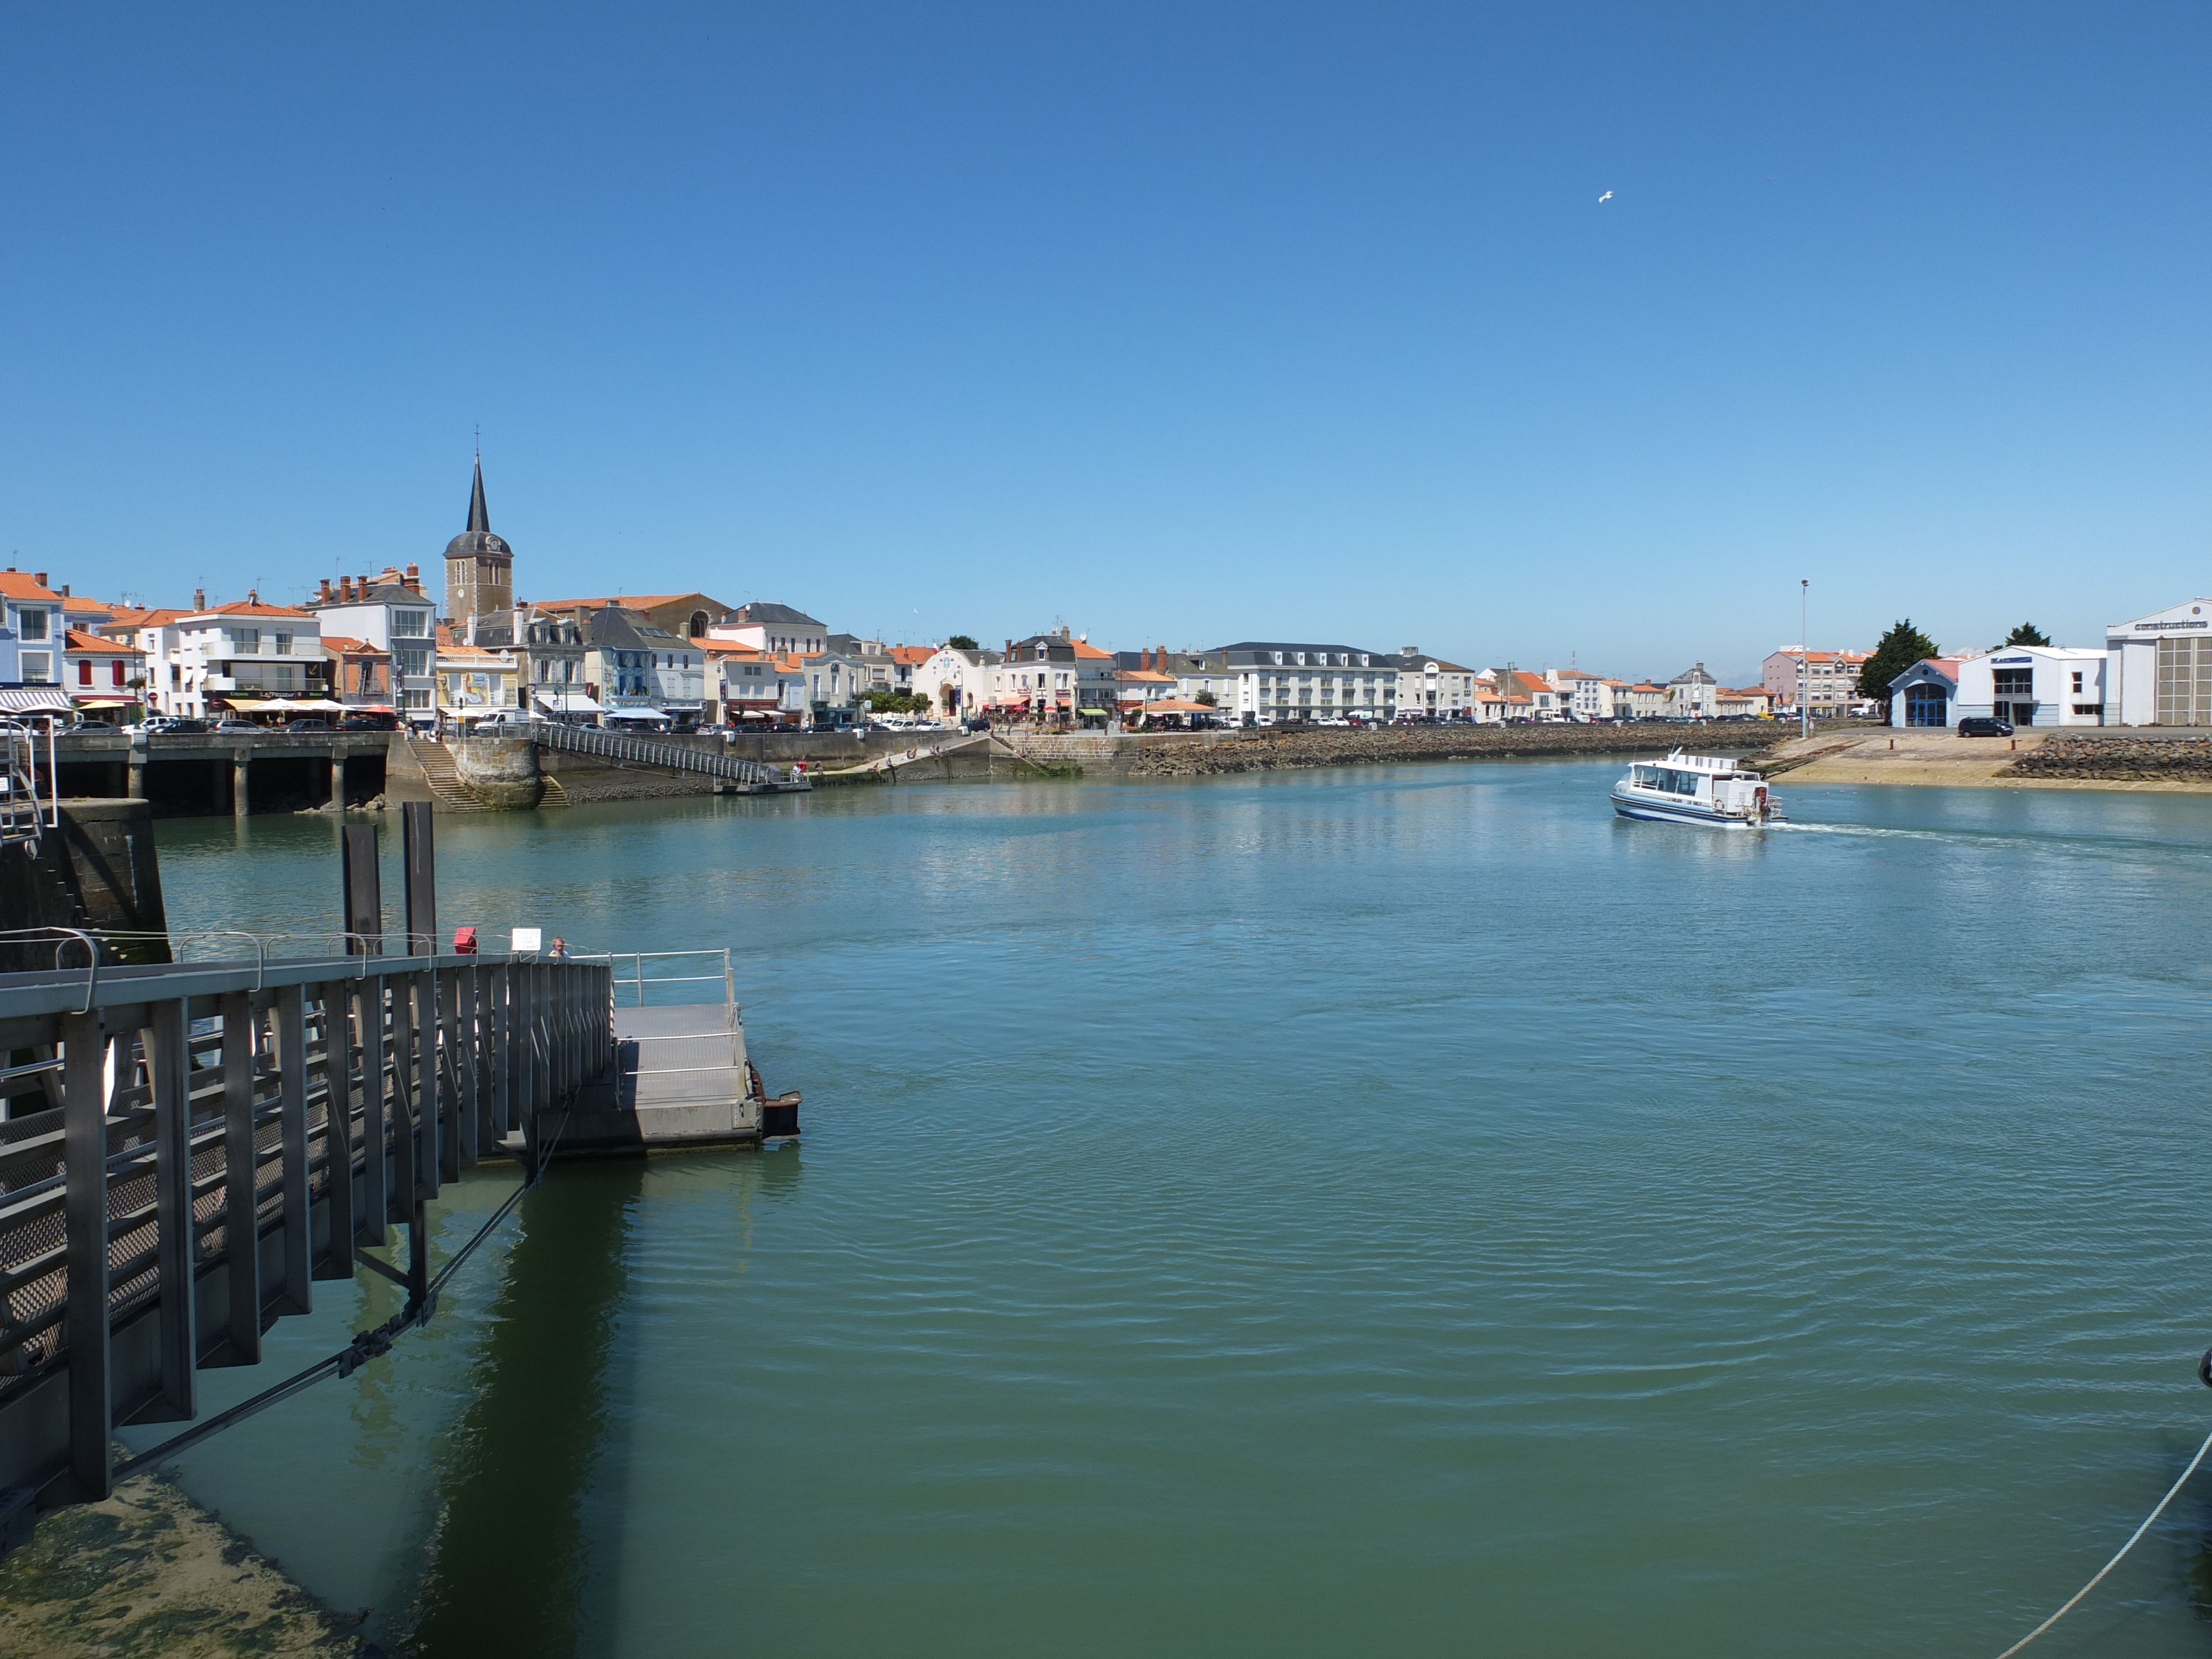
479,566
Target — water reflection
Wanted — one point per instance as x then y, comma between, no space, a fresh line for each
508,1567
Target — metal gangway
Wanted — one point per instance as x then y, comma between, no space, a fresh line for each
185,1149
674,756
681,1076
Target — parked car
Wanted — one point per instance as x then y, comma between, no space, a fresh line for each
305,723
503,720
175,724
369,723
1985,726
237,726
91,728
978,725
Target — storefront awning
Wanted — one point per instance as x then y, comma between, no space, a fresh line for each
295,705
636,715
1100,712
107,702
35,700
569,702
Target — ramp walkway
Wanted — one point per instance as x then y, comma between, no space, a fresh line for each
680,1076
735,773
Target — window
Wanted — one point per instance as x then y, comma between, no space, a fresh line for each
411,664
414,700
2015,682
246,639
84,673
410,624
2077,684
38,668
283,645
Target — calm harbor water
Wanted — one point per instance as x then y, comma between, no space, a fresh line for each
1401,1211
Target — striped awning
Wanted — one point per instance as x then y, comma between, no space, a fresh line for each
36,700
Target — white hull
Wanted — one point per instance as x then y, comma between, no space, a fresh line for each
1678,813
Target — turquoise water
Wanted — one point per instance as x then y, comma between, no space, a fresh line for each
1400,1211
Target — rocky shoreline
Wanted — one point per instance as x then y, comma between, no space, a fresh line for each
2118,760
1268,752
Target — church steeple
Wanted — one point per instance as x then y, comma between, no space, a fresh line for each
479,514
479,566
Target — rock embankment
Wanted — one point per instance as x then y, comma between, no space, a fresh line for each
1267,752
2118,760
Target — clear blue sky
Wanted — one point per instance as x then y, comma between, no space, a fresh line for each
1181,323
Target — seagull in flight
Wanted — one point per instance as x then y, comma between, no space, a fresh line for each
1603,200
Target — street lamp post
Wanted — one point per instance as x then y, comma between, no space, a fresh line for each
1804,659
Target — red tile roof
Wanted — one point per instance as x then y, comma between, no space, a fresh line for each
20,584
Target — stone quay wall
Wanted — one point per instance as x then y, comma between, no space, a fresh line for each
1265,751
2118,760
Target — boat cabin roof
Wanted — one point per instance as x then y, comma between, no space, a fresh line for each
1702,763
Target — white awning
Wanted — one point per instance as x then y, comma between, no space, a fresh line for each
636,715
36,700
569,702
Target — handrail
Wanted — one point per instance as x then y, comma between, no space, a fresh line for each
679,757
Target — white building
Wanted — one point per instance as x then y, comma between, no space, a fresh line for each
776,628
248,658
956,683
1429,685
1278,681
2159,668
1694,695
393,614
1589,697
755,685
2026,684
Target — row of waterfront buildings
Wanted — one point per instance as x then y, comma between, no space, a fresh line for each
384,645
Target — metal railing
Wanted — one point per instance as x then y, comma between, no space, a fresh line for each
645,751
642,974
22,817
349,1087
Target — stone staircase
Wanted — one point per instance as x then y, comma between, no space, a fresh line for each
446,785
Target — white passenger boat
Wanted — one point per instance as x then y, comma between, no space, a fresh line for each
1695,789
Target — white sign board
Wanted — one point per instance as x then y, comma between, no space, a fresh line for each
522,940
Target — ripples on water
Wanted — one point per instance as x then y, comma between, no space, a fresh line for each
1407,1212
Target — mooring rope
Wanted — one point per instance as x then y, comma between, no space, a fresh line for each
2124,1548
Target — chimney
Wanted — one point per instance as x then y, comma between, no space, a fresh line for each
199,599
40,577
254,596
65,592
322,592
1411,651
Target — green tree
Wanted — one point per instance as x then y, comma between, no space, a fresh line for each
897,702
2027,634
1205,697
1900,649
960,642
